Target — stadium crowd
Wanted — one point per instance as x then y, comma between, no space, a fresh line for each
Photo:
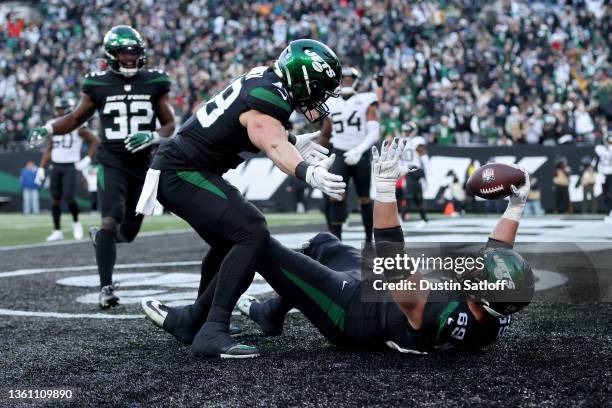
493,72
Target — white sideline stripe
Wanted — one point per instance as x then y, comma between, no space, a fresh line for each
25,272
87,241
23,313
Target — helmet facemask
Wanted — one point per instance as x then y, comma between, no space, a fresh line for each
347,90
124,40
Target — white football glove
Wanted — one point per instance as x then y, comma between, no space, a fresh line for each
386,169
517,200
83,163
352,157
39,179
319,177
310,151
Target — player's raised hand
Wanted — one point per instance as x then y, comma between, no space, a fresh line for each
38,135
319,177
386,168
141,140
518,198
519,194
310,151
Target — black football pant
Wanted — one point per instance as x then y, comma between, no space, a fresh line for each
325,286
234,228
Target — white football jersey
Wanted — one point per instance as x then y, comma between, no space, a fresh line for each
349,119
605,159
410,157
66,148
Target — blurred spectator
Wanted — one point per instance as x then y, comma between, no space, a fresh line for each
443,134
561,186
455,59
534,198
587,181
29,189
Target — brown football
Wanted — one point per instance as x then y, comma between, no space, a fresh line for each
493,180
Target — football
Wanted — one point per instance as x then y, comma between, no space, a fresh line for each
492,181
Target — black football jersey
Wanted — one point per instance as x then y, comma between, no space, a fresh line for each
213,138
125,106
450,324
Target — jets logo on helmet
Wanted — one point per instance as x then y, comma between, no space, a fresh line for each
311,72
124,38
505,265
319,63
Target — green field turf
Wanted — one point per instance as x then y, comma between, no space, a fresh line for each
17,229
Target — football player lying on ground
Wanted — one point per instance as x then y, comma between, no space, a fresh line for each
325,284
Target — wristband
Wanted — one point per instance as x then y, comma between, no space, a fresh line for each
301,170
291,138
514,211
49,128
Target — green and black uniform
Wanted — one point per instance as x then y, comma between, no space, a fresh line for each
211,142
326,287
125,105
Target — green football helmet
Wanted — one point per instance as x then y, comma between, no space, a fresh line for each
124,38
311,72
502,264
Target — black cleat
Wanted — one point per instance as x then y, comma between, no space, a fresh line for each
107,297
212,341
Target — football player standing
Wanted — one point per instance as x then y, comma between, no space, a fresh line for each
250,115
64,153
351,129
414,165
129,100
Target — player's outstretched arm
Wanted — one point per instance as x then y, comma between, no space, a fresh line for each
507,226
64,124
387,230
269,135
326,131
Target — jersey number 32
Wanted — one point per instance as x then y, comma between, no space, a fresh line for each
125,123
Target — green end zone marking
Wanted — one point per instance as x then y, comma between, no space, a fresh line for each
444,315
270,97
331,308
198,180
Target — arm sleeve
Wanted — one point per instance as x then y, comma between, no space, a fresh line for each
270,100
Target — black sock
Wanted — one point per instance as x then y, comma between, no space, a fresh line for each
423,214
56,212
74,210
106,253
336,229
367,216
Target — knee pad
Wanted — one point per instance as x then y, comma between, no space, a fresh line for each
109,223
338,211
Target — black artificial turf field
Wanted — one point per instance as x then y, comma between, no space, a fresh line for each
554,355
